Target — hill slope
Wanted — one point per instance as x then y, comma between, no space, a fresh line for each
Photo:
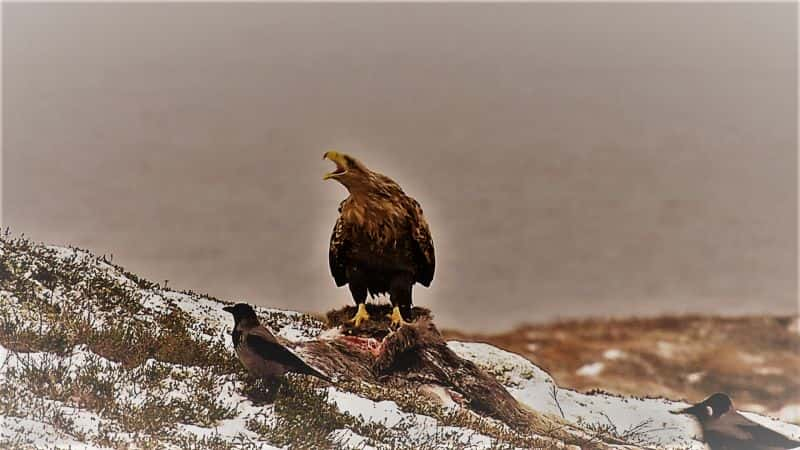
94,357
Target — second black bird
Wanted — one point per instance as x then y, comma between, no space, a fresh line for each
725,429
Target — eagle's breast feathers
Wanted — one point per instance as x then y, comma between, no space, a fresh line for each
383,224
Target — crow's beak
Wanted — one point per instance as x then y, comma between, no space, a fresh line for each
228,309
693,410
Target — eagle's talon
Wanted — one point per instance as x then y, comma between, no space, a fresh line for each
397,318
361,316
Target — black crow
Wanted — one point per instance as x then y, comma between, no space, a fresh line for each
258,350
725,429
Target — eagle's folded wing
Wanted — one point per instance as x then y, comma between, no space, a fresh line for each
336,253
426,258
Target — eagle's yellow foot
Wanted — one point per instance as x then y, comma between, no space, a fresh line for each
397,318
361,315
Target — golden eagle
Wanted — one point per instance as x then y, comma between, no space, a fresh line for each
381,242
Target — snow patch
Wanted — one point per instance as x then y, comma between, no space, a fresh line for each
665,349
417,429
751,359
508,368
347,439
790,413
695,377
38,435
590,370
768,370
614,353
787,429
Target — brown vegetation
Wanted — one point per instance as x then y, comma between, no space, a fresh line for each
62,305
754,359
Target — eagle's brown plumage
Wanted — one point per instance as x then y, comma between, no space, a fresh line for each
381,242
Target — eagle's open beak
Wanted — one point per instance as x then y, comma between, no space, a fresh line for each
338,159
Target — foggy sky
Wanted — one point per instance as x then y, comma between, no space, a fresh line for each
571,159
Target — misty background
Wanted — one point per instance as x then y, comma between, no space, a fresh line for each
572,160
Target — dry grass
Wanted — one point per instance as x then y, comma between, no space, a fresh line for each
94,311
59,306
755,359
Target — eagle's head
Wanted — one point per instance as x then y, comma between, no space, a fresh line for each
352,173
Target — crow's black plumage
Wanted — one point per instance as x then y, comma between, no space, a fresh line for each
725,429
381,242
258,349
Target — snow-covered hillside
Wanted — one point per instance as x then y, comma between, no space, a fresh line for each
94,357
